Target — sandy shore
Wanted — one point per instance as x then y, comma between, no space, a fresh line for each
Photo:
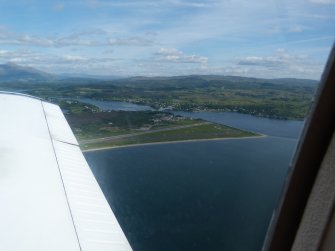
171,142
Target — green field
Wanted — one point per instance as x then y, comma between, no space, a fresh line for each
95,129
197,132
91,124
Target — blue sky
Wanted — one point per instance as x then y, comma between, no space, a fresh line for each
262,38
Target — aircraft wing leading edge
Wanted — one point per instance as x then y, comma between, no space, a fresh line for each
49,198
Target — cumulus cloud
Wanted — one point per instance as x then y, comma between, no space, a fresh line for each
153,3
193,4
52,61
279,64
17,56
132,41
322,1
261,61
295,29
3,31
89,38
173,55
279,59
33,40
215,29
275,30
58,7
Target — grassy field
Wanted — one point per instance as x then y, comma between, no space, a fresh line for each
98,129
90,125
197,132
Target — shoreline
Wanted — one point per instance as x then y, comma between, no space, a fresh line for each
193,111
172,142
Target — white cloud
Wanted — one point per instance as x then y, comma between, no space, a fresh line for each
279,59
89,38
152,3
55,63
193,4
280,64
269,61
132,41
32,40
173,55
282,29
73,58
58,7
224,37
322,1
295,29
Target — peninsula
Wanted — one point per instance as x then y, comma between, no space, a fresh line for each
97,129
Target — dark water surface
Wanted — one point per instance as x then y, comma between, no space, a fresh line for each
272,127
209,195
214,195
116,105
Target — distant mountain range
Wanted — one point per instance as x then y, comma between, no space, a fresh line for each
11,72
87,76
219,78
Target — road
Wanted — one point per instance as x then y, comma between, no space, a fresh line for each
100,140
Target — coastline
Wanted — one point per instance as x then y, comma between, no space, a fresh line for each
172,142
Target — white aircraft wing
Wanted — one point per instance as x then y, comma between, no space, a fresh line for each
49,198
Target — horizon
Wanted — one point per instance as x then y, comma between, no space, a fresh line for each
287,39
114,77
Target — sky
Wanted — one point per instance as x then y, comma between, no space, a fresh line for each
261,38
